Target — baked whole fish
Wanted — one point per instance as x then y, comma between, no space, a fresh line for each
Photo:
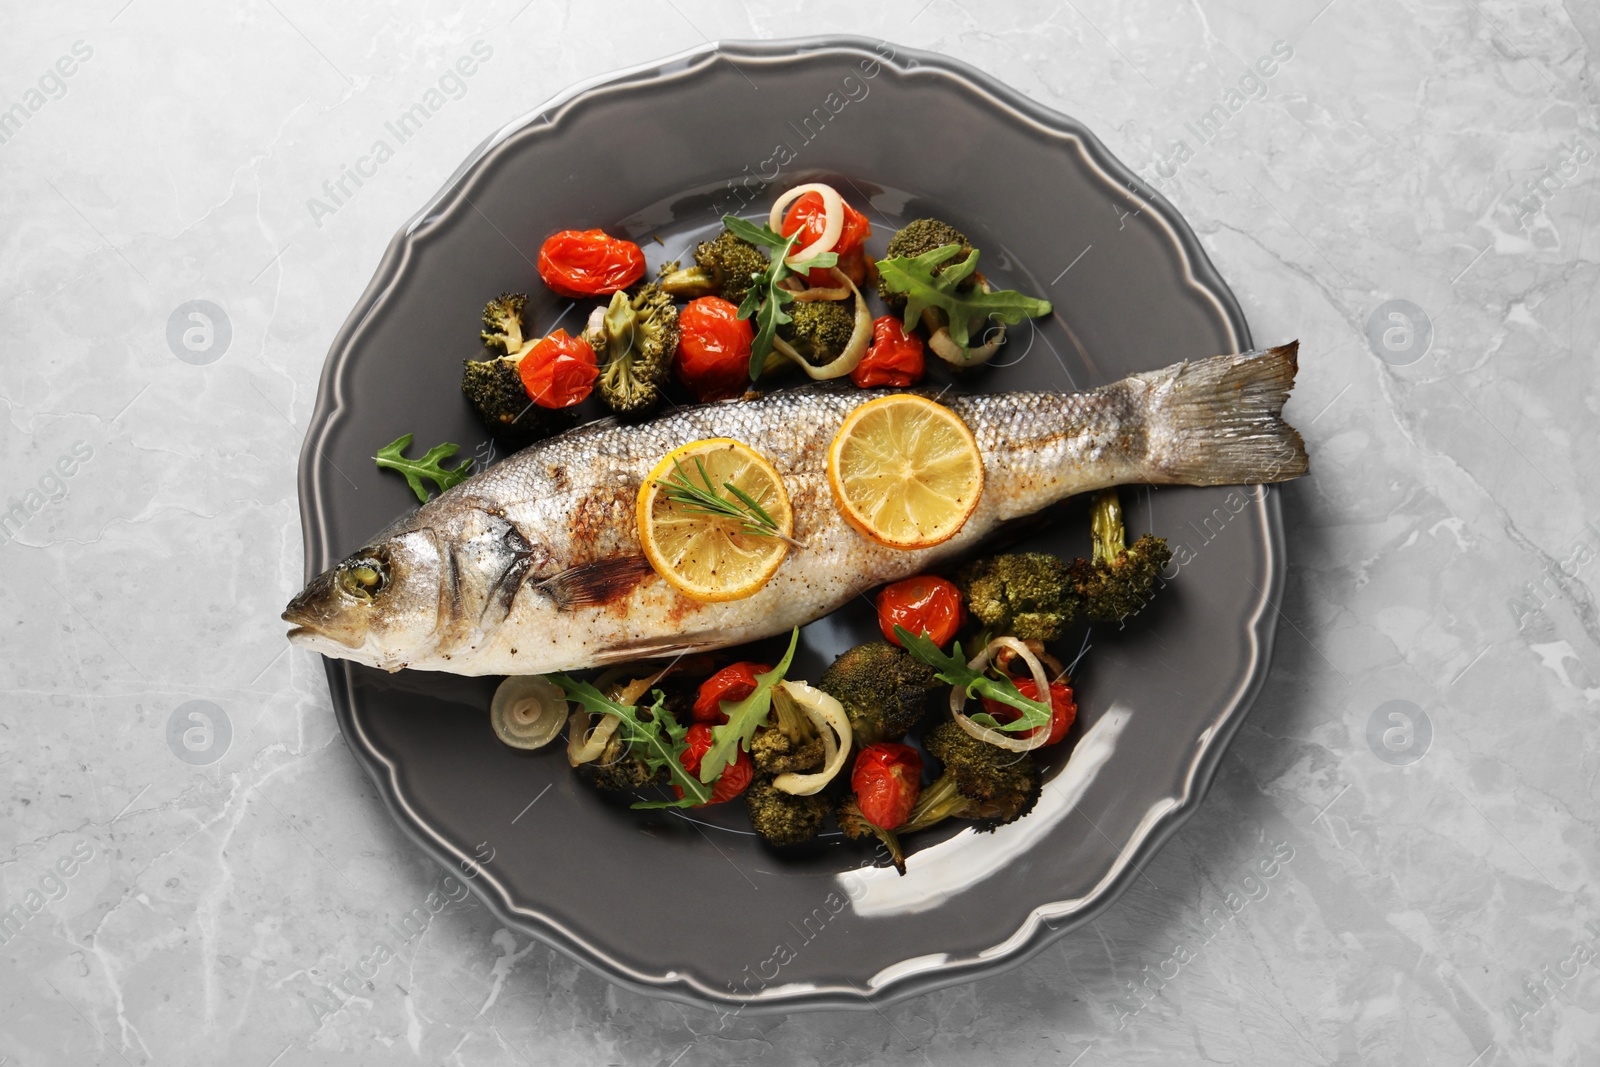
534,565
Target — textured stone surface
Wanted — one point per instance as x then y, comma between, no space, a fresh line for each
1431,897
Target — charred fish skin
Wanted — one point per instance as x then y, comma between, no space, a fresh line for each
538,565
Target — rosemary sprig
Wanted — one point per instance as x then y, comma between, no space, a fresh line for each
705,500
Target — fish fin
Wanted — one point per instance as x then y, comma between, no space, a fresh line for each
593,584
1219,421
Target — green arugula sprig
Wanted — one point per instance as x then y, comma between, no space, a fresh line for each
705,500
660,738
744,718
952,668
430,466
913,276
767,300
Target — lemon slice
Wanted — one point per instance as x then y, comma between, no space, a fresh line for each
714,557
906,472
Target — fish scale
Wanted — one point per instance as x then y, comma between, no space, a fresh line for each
534,565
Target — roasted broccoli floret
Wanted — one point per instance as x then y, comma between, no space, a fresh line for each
985,333
884,689
1026,594
791,744
723,266
634,339
917,237
981,781
924,235
856,827
1120,579
780,818
502,323
495,389
819,329
1036,596
619,769
501,403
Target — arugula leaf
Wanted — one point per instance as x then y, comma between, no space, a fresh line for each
755,233
766,300
952,668
744,718
816,262
430,466
913,277
764,305
657,751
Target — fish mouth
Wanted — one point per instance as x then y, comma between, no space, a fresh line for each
306,632
303,632
317,640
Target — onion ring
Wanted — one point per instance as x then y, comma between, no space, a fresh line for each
833,220
958,699
828,715
854,350
944,346
528,711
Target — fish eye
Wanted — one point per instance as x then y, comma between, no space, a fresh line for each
364,578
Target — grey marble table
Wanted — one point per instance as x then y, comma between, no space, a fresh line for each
1408,191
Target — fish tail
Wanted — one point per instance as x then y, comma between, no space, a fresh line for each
1219,421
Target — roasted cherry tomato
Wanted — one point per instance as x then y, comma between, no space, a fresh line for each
734,682
854,265
713,357
808,214
1063,709
735,777
579,263
923,605
888,780
895,357
558,371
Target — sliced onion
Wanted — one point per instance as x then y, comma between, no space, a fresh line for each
958,699
584,745
594,330
527,711
818,292
636,689
944,346
829,717
833,220
860,337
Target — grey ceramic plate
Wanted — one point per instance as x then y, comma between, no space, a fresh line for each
699,910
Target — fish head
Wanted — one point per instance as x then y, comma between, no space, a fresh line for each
380,606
